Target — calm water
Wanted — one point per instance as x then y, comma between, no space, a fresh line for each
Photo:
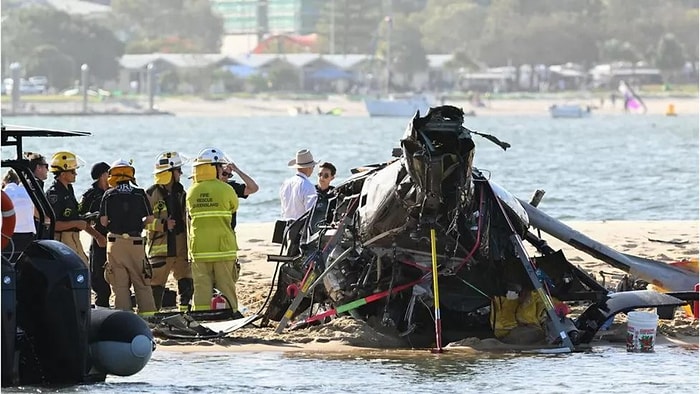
604,370
604,167
600,168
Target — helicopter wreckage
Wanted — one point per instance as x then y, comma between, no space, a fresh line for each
427,245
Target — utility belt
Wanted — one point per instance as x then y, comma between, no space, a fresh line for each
134,237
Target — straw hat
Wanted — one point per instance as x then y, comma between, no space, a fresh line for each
304,159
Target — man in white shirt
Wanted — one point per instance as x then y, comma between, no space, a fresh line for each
24,212
298,193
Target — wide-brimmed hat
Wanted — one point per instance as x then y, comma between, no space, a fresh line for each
304,159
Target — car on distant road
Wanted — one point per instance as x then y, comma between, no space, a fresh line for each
25,87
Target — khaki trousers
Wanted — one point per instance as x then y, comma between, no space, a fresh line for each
178,264
222,275
126,261
72,240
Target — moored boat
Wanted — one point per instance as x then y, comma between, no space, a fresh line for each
569,111
394,106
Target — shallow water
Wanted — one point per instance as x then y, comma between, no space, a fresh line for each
600,168
603,370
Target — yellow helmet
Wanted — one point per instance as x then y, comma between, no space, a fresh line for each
167,161
64,161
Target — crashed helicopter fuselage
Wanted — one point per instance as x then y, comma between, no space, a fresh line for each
374,251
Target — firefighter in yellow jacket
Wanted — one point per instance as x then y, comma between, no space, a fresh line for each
125,211
212,242
166,240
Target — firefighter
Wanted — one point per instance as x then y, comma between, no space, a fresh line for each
166,240
89,204
125,211
62,199
212,242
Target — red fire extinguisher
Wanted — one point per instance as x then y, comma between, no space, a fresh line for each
696,304
218,301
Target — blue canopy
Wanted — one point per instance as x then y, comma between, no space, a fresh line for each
330,73
241,70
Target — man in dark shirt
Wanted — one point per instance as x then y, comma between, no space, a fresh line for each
243,190
64,204
325,203
90,203
125,211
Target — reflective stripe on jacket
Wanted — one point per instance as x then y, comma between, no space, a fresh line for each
210,204
156,237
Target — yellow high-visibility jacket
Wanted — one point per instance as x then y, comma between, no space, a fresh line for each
210,204
156,236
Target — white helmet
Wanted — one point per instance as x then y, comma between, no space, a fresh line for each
167,161
121,163
210,156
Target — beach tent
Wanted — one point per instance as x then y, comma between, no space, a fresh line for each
330,73
242,70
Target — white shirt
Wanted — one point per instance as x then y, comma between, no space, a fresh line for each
297,195
24,208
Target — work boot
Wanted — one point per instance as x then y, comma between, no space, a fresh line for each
185,288
158,296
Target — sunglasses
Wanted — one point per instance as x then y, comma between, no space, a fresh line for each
227,174
324,175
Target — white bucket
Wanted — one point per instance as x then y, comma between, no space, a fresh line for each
641,331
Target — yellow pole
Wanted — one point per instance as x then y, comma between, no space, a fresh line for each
436,293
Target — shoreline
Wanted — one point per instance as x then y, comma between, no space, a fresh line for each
267,106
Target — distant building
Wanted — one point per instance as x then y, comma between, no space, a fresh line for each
248,22
269,16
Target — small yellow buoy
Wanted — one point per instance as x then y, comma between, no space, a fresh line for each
671,110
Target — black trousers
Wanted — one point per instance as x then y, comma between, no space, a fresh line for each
98,258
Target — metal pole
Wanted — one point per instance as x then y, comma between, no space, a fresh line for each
15,73
84,81
149,85
332,44
388,54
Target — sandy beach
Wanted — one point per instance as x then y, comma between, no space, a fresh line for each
665,241
276,106
281,107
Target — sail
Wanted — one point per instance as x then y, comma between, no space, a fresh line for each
633,103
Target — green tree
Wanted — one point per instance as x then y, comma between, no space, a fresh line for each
447,25
168,25
613,50
670,56
407,53
58,67
354,22
24,30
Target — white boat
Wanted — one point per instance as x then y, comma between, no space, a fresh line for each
399,106
569,111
